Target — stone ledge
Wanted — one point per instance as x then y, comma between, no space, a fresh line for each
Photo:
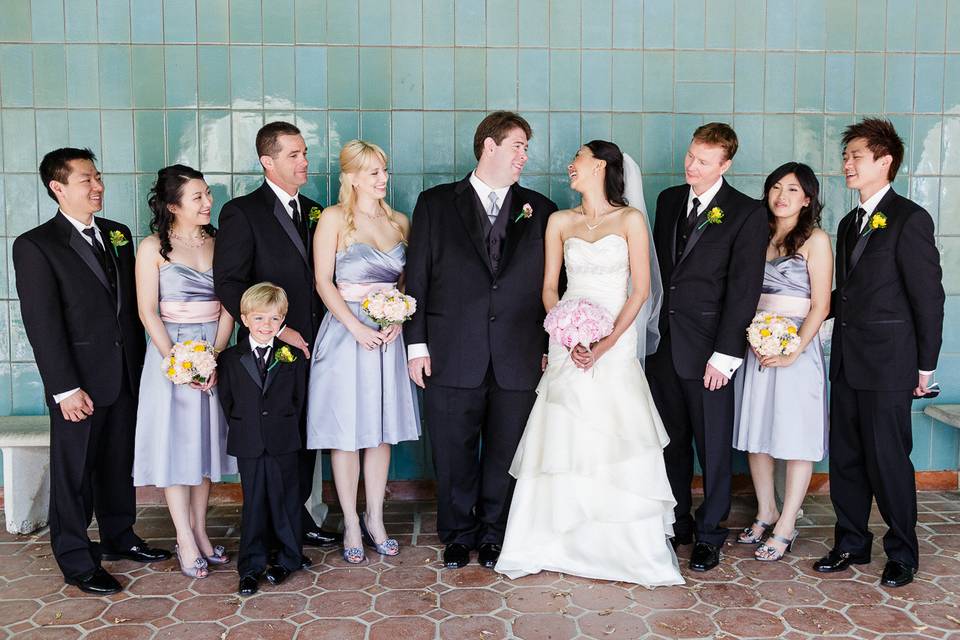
948,414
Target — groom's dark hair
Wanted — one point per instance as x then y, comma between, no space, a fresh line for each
56,166
882,139
267,144
497,125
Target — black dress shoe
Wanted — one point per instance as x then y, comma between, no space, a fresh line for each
456,555
139,552
678,540
277,574
705,556
305,562
488,554
897,574
838,561
249,584
99,583
321,538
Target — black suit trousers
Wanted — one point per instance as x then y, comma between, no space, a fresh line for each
271,512
870,444
91,472
473,435
695,416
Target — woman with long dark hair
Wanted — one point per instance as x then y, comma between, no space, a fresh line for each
782,400
181,431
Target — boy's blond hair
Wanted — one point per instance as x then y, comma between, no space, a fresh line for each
264,295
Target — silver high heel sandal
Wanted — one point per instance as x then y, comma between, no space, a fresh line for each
767,553
199,568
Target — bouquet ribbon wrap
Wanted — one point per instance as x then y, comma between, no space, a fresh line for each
189,312
357,291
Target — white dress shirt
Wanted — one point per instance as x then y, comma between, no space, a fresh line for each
80,227
419,349
285,198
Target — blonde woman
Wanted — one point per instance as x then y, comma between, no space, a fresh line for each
360,396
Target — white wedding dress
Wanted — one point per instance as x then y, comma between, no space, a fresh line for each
592,497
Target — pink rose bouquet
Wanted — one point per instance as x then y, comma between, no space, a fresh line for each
577,321
389,306
190,361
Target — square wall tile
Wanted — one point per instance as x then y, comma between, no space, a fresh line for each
658,81
599,126
928,83
565,139
279,22
375,78
16,75
465,123
375,127
45,20
749,158
931,26
438,141
690,24
721,16
469,80
216,141
902,25
113,20
657,154
748,90
213,69
439,29
627,24
20,196
564,80
180,21
245,21
812,29
750,23
534,78
180,77
779,82
343,83
871,25
82,81
84,127
658,24
344,126
502,80
501,23
120,198
116,90
781,31
149,144
28,395
374,20
147,76
313,126
279,83
146,21
245,127
118,142
405,190
925,142
183,141
808,141
408,141
538,153
213,21
597,82
407,78
565,23
246,77
898,83
868,98
596,28
839,82
311,77
19,141
53,131
810,82
951,84
406,22
627,130
310,21
628,95
469,22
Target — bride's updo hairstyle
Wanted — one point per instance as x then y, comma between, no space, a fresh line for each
166,192
357,156
613,176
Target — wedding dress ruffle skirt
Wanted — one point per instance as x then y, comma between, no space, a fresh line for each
592,497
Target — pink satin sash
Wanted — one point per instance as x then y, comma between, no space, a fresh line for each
189,312
790,306
357,291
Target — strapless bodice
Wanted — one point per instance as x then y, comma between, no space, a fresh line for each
360,262
180,283
788,276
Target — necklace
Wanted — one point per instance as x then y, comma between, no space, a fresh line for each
602,217
194,242
380,213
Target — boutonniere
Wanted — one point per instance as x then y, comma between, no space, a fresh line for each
314,215
877,221
714,216
526,211
117,239
283,355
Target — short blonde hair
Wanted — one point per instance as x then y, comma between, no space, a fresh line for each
263,295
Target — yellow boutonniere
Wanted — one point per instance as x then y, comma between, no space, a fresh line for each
714,216
117,239
283,355
314,215
878,221
526,211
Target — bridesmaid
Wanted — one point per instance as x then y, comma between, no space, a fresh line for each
181,431
360,396
782,400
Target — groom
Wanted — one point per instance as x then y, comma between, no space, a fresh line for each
476,342
710,242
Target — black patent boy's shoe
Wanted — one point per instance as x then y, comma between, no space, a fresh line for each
98,583
321,538
249,585
277,574
838,560
705,556
488,554
897,574
138,553
456,555
678,540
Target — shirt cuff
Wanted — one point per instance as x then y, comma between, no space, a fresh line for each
927,373
727,365
60,397
417,350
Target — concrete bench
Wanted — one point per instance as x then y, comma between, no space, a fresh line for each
948,414
25,443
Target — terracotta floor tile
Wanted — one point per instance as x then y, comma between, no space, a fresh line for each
728,595
479,627
471,601
681,624
333,630
749,623
881,618
49,633
138,610
14,611
201,608
612,625
851,592
407,628
350,579
73,612
408,577
340,604
121,632
940,616
818,621
472,575
601,596
544,627
272,606
789,593
406,602
193,631
537,600
262,630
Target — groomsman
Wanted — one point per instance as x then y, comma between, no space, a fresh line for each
888,326
710,242
266,236
476,343
76,285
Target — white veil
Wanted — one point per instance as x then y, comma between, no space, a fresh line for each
647,322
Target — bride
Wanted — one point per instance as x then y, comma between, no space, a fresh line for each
592,497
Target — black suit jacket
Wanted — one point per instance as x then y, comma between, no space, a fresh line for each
467,314
888,304
711,292
263,417
257,241
82,333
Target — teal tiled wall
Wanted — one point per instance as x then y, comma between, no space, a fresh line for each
146,83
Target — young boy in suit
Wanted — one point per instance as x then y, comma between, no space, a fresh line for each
262,383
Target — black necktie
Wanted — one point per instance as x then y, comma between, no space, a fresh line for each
685,227
101,256
853,236
262,361
861,214
298,221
